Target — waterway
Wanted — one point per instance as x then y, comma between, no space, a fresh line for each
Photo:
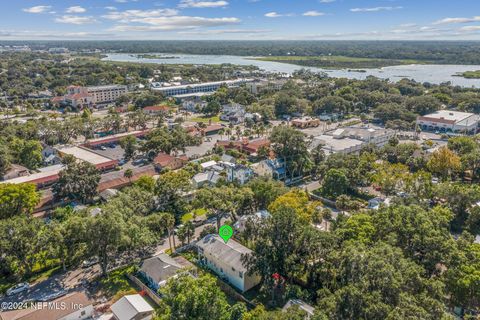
422,73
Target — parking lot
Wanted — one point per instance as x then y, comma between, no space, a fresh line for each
207,145
116,152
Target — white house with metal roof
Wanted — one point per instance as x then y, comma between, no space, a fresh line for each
225,259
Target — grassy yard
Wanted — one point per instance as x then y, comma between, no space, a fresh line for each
189,216
205,119
116,284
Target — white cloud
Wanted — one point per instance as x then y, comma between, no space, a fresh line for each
457,20
40,34
470,28
274,14
78,20
110,8
375,9
202,4
174,23
76,9
37,9
327,1
313,13
136,15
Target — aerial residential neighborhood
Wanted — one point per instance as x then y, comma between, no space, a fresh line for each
239,160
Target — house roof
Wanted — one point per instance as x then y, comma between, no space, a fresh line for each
163,159
213,127
301,304
200,177
16,168
129,306
156,108
228,158
230,253
69,301
160,268
208,164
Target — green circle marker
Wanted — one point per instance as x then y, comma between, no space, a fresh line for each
225,232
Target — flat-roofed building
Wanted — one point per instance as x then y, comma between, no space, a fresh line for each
188,89
107,94
41,179
100,162
449,121
352,139
264,85
113,139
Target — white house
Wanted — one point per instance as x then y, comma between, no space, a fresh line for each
132,307
256,218
236,172
225,259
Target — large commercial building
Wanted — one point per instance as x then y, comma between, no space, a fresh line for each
264,85
107,94
352,139
100,162
449,121
199,87
78,96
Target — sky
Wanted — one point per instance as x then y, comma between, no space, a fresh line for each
240,19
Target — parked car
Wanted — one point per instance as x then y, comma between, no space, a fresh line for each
90,262
18,288
122,162
53,296
138,162
103,148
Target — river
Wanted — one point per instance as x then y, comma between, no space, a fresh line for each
422,73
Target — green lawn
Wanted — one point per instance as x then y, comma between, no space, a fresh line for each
117,283
205,119
189,216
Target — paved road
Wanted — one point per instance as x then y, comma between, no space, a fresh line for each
73,278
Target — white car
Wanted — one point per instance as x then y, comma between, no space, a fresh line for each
18,288
90,262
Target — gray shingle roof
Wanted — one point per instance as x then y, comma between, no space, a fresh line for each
160,268
230,253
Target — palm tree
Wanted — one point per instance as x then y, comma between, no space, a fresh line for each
170,224
190,230
128,174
